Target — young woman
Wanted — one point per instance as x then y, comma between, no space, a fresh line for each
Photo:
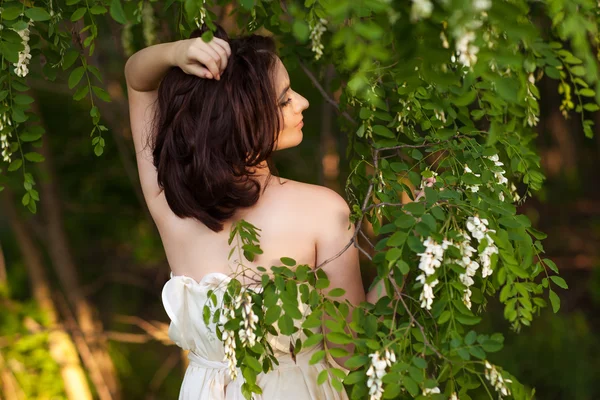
205,119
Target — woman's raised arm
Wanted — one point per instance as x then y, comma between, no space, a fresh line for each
145,69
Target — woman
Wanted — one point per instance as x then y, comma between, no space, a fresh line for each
205,118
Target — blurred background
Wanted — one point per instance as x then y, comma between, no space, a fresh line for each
91,261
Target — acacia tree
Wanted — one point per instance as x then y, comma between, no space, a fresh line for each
440,104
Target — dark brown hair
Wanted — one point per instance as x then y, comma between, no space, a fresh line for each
208,133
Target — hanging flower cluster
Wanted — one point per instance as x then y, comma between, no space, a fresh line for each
429,391
148,24
228,338
316,32
249,320
496,379
5,122
471,266
465,49
377,371
421,9
479,230
22,68
431,260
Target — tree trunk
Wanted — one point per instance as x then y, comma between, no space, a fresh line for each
64,265
61,347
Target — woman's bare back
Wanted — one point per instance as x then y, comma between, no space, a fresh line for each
287,213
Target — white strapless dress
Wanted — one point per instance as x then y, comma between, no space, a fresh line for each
207,378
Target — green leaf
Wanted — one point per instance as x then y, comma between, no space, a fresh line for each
286,325
29,136
37,14
9,13
15,164
247,4
34,157
75,76
403,267
322,377
290,262
117,13
383,131
316,357
337,292
313,340
559,281
301,31
554,300
410,385
81,92
98,9
338,338
272,314
253,363
419,362
397,239
102,94
78,14
23,99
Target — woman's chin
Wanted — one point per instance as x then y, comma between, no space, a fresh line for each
289,140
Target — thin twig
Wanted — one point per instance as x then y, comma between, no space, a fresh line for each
325,94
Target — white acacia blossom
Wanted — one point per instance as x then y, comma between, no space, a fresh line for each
496,379
472,188
465,49
5,122
421,9
454,396
430,261
479,230
377,371
428,391
248,324
148,24
316,31
482,5
22,66
471,266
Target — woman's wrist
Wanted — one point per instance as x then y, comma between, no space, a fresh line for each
145,69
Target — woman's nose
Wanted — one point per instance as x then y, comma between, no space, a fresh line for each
302,104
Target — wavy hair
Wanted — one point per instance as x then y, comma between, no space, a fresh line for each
209,133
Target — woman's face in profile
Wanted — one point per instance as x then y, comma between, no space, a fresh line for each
291,106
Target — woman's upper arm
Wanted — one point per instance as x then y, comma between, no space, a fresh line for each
334,232
141,113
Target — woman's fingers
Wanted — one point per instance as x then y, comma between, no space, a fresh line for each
223,44
210,59
222,55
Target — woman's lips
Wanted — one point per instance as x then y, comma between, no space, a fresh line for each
300,124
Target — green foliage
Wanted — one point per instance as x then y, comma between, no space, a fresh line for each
440,104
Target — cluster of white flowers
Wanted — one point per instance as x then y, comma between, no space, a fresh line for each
316,32
228,338
500,174
496,379
202,15
230,357
148,24
471,266
532,118
421,9
5,122
428,391
465,49
440,115
482,5
431,260
473,188
22,68
248,324
127,39
479,230
376,372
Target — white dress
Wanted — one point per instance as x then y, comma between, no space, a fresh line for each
207,378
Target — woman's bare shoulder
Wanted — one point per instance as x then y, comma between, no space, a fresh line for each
314,197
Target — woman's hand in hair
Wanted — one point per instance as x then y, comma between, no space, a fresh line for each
206,60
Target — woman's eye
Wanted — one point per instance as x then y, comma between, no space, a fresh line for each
285,103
